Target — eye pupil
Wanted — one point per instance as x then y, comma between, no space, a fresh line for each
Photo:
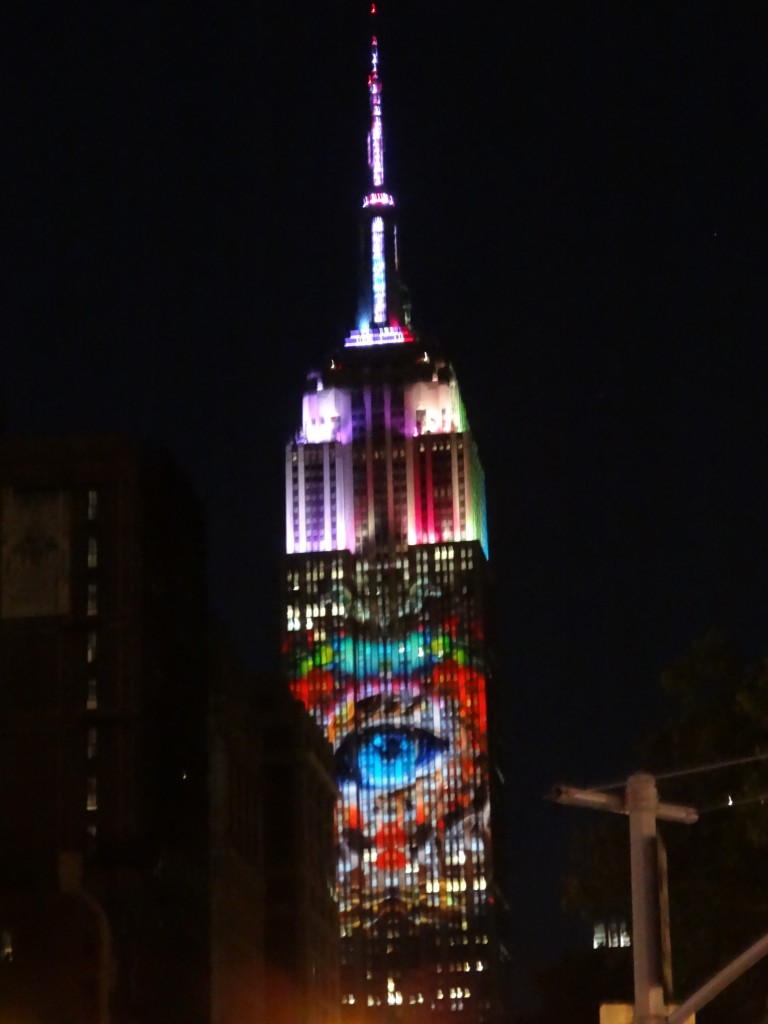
391,746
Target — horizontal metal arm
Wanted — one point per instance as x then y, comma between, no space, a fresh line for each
599,801
719,981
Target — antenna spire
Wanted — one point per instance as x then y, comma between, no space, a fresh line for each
376,134
381,315
377,197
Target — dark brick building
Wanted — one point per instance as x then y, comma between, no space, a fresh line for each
103,703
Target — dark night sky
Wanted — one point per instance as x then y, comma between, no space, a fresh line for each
582,194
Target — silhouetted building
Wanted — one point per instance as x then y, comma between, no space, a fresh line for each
238,891
103,704
275,922
387,613
302,916
56,956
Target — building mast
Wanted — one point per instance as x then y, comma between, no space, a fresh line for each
381,314
376,134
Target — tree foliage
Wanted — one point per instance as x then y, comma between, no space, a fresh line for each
718,868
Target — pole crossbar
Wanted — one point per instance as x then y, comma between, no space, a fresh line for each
640,802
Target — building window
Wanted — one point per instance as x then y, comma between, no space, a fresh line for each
611,935
93,599
93,504
92,699
93,552
6,947
91,742
92,642
92,794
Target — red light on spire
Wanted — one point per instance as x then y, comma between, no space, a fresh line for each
373,8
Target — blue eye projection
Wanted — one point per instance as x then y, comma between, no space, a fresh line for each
386,756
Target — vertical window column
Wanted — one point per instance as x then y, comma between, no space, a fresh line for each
91,657
92,553
458,525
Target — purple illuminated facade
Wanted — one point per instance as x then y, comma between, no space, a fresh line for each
386,643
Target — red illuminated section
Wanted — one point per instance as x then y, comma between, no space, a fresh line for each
378,199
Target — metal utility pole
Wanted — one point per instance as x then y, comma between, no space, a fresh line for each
641,803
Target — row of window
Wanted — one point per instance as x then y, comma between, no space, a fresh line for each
457,885
395,998
364,575
91,652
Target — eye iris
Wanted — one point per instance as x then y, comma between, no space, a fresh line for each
390,746
387,758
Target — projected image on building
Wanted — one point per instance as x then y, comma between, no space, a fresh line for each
402,702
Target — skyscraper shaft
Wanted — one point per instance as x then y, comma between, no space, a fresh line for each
386,643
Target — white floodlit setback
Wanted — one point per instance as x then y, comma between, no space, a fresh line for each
327,416
367,336
433,476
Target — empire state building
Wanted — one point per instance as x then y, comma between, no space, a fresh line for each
387,645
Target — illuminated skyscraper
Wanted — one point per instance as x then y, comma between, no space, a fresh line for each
387,645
